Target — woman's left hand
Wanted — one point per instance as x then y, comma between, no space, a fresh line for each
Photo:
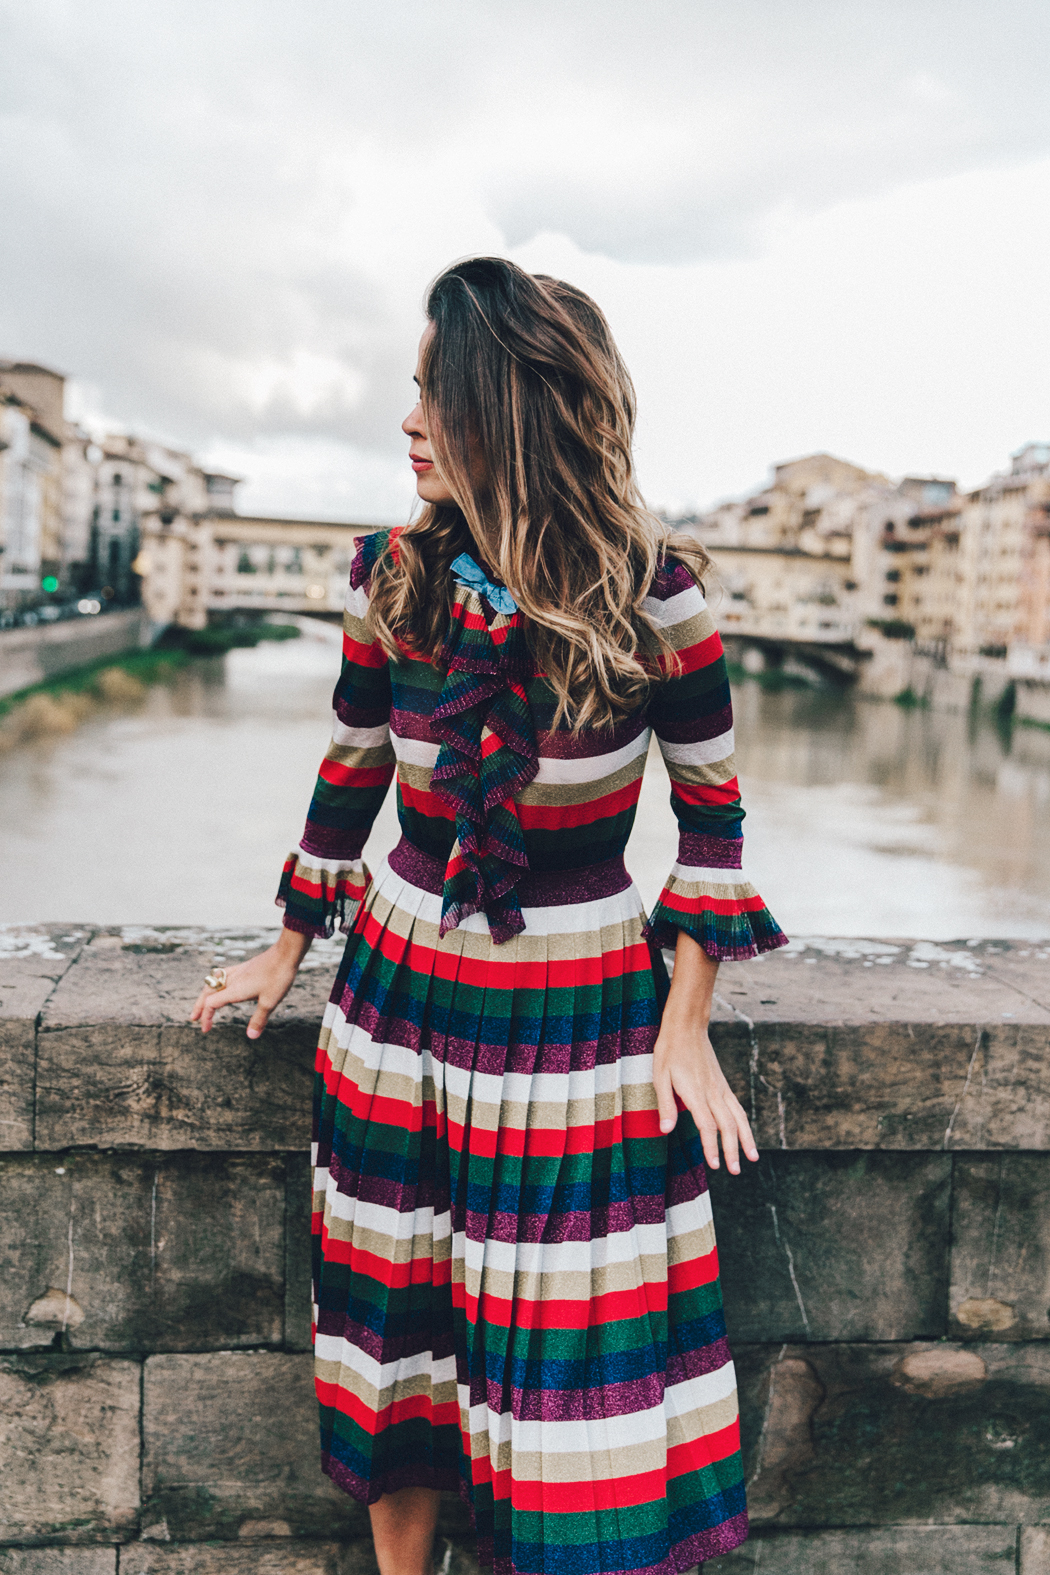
684,1063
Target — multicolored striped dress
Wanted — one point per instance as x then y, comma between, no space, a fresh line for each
515,1275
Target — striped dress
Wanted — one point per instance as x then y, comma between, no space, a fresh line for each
515,1274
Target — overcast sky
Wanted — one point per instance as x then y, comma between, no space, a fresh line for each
813,225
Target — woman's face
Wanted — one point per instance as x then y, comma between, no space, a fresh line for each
429,485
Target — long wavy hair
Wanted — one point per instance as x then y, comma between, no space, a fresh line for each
530,412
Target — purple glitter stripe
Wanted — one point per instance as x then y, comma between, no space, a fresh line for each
537,889
696,730
704,851
332,842
708,1544
670,580
683,1365
575,1405
413,1474
590,744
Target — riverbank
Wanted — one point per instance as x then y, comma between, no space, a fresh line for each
58,705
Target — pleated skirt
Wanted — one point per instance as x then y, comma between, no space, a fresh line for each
515,1275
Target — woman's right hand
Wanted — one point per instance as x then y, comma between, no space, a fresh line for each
265,979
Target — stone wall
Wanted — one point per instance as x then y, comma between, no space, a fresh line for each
30,656
886,1264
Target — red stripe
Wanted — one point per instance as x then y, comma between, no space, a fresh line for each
394,1276
348,885
705,1451
691,1274
554,973
552,1143
647,1487
560,817
705,904
374,1422
340,774
424,802
706,792
703,654
362,655
617,1306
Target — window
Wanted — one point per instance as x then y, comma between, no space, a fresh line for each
891,599
893,574
116,516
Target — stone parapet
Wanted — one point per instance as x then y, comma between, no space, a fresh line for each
886,1264
31,656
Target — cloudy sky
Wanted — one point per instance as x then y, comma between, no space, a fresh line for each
812,225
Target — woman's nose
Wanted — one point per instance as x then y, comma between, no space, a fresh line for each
413,426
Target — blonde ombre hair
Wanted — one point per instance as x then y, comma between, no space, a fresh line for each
530,412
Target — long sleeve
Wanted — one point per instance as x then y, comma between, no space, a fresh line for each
325,880
691,713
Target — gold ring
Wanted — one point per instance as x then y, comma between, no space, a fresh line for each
216,980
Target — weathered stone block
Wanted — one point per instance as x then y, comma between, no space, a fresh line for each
33,958
231,1441
891,1085
868,981
58,1561
1035,1550
251,1558
834,1246
877,1550
849,1435
171,1252
297,1270
120,1066
69,1449
1000,1285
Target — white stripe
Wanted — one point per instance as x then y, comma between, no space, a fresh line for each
566,1257
573,1437
692,1394
333,866
594,767
704,875
359,737
705,752
415,751
563,919
545,1088
692,1215
677,609
356,601
336,1348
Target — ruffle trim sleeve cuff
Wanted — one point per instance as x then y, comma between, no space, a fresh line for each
319,894
707,896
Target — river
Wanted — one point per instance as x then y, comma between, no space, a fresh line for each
862,819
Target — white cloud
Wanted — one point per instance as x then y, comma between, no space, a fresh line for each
812,225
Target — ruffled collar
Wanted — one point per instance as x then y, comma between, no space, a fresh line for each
488,751
488,743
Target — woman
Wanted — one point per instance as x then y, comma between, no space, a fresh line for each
515,1274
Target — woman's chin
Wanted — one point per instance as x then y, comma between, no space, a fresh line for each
431,490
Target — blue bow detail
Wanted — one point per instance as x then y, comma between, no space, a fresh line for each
497,596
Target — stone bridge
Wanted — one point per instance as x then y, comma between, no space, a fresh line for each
886,1264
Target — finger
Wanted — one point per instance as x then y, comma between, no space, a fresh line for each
198,1006
665,1102
708,1131
212,1003
259,1018
730,1141
743,1127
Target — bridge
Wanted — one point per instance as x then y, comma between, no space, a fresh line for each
194,565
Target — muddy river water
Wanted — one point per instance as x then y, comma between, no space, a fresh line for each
862,819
